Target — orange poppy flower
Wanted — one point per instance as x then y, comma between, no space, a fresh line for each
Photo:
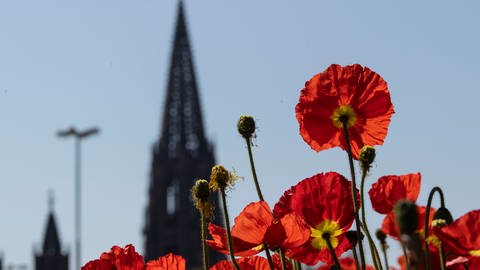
462,237
256,225
167,262
354,94
325,202
346,264
389,225
390,189
245,263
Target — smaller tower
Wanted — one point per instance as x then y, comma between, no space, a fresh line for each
51,256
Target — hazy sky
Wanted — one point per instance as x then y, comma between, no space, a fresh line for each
104,63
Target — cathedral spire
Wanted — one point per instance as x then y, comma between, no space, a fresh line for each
182,127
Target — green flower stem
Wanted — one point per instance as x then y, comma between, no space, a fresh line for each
269,257
427,219
355,257
282,258
298,265
385,257
204,237
442,257
259,192
407,260
373,249
354,197
227,225
326,236
252,166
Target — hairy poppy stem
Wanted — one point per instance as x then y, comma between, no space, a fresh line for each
282,259
355,258
373,248
227,225
442,257
326,236
407,260
385,257
354,186
298,266
259,193
203,221
269,257
427,219
252,166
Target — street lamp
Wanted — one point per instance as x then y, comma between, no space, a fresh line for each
79,136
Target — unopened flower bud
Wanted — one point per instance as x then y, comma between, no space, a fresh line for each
246,126
381,236
406,216
200,190
352,237
442,217
366,157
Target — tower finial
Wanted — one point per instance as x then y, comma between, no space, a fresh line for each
51,200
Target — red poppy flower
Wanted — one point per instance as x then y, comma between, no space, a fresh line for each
345,264
245,263
325,202
117,258
256,225
390,189
462,237
389,225
167,262
353,94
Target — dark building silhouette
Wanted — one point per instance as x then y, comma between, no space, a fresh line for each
51,257
181,155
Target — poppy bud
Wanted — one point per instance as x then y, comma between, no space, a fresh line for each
442,217
381,236
406,215
366,156
246,126
200,190
353,238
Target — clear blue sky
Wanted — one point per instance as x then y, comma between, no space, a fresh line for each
105,63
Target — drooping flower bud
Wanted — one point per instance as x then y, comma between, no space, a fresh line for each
246,126
366,157
442,217
406,216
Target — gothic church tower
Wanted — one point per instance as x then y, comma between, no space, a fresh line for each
181,155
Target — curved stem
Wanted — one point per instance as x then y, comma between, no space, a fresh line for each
373,249
252,166
326,236
354,197
427,219
227,225
203,221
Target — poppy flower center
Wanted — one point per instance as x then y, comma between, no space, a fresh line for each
475,252
344,114
326,230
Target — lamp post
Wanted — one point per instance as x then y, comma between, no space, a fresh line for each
79,136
